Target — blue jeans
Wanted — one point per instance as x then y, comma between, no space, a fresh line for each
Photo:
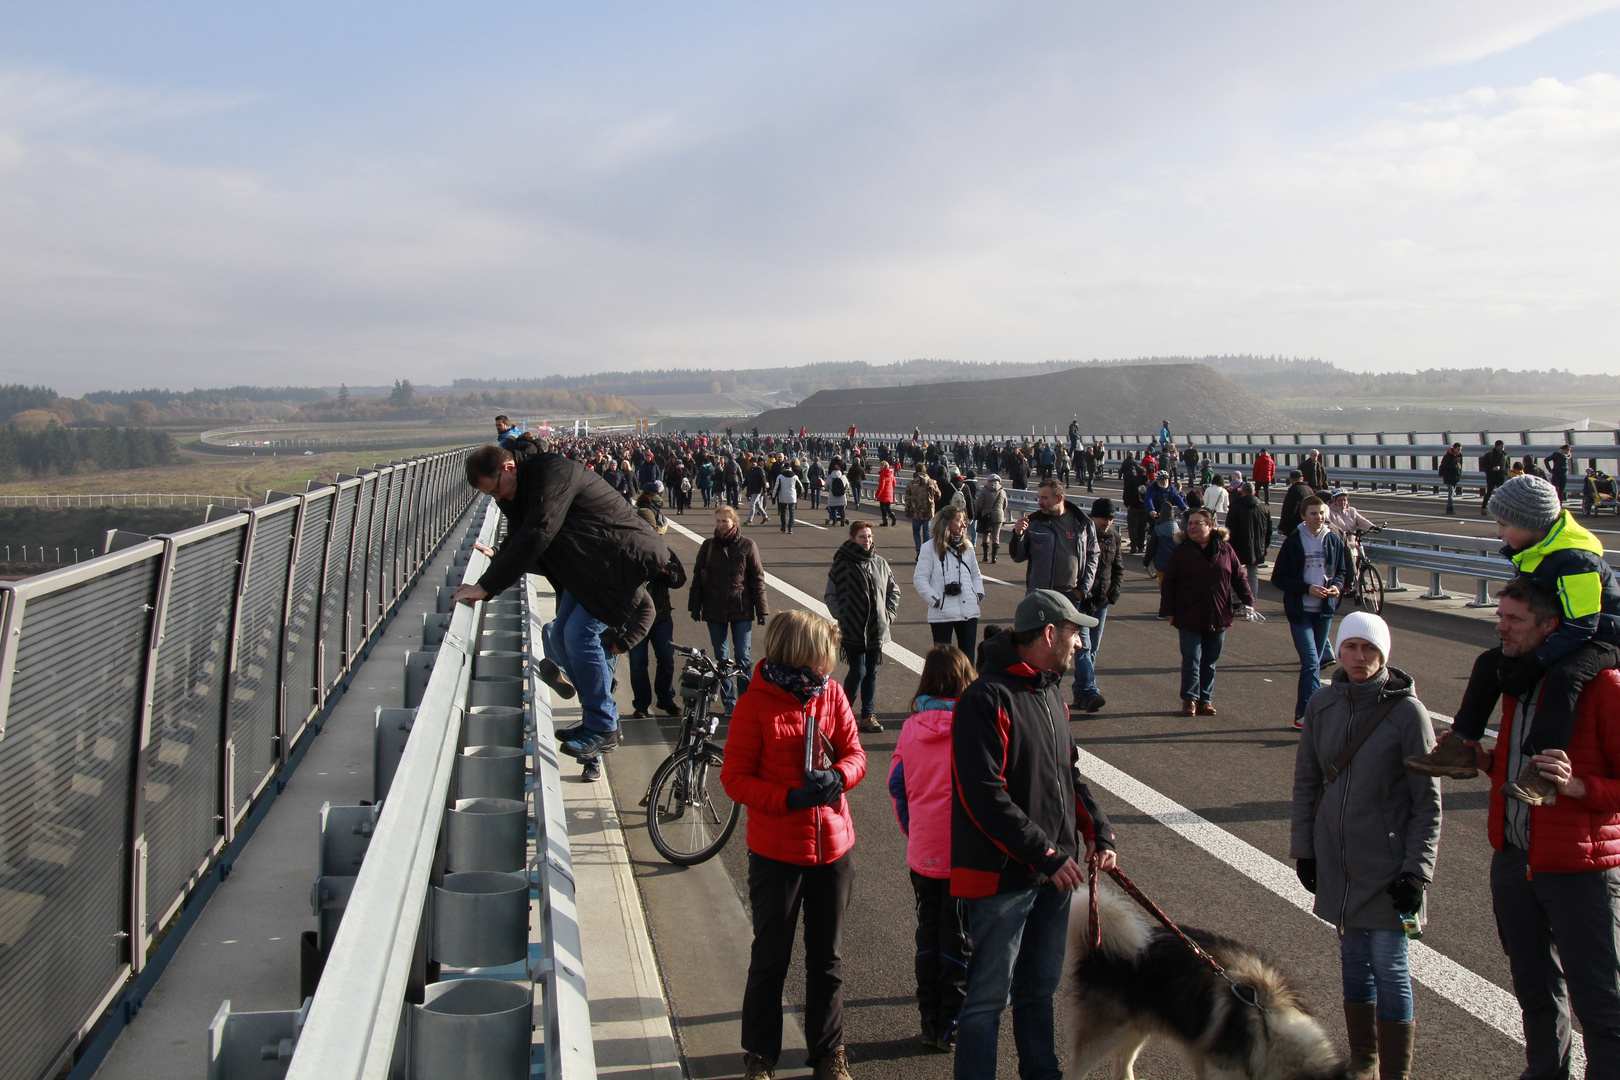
1200,649
920,532
1373,963
1018,942
660,641
573,641
1085,661
1310,641
741,633
863,674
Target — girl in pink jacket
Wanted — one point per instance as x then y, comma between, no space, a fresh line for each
920,784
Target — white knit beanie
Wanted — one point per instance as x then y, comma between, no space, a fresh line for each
1366,626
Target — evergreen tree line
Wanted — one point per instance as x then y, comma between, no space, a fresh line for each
59,451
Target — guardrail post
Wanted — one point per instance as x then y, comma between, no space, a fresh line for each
1392,580
1482,595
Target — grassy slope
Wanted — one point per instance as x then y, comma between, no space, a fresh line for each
207,474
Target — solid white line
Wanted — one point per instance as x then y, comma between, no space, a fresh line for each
997,580
1464,988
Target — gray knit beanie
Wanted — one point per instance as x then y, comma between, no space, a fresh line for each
1526,502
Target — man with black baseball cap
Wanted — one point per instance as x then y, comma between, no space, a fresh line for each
1023,822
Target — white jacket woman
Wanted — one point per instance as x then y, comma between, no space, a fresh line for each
947,578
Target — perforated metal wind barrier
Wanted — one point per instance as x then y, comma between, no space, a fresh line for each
148,697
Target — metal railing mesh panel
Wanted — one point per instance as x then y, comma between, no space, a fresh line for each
334,613
188,701
64,799
304,613
256,689
359,560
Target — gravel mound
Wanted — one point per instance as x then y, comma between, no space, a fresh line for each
1124,399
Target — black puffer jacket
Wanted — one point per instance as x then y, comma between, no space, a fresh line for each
1249,523
728,581
565,522
1110,571
1018,791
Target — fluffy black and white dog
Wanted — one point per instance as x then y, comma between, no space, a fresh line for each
1143,982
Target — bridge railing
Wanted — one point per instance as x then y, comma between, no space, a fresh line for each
150,701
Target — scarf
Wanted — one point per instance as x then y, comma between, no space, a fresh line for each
801,682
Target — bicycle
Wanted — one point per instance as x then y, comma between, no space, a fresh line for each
1366,583
689,815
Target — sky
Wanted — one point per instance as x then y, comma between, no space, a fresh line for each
203,194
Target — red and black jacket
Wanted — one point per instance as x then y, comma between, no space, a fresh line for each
1016,772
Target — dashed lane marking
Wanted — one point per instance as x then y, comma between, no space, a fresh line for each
1457,984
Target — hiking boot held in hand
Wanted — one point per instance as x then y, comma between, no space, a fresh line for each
553,676
1531,787
1451,758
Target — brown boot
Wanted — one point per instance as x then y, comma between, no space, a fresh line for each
1206,709
833,1066
1395,1049
1362,1026
758,1067
1531,787
1189,707
1451,758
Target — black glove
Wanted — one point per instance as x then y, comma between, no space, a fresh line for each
1515,675
821,787
1406,892
1306,869
762,620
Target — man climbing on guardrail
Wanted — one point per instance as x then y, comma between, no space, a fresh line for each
1549,548
564,521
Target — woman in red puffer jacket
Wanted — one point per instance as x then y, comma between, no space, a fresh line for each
791,753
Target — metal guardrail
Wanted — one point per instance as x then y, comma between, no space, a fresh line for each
370,1015
1355,458
151,701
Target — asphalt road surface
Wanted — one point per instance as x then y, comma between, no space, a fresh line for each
1232,772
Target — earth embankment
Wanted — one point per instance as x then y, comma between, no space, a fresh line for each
1127,398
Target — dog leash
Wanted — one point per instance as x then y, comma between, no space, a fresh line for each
1240,990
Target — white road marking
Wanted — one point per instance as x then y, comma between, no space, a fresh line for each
997,580
1457,984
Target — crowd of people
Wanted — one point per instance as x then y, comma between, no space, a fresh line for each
1001,828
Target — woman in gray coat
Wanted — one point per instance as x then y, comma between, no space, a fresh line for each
992,510
1365,836
863,599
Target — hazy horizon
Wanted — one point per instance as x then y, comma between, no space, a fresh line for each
307,194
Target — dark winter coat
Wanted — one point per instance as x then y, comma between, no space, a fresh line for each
1061,551
863,598
1110,574
1248,524
673,575
1451,468
1315,473
1291,514
1494,464
1019,793
565,522
1196,593
1378,820
728,581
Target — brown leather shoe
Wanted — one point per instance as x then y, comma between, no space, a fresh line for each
1189,707
1206,709
1451,758
1531,787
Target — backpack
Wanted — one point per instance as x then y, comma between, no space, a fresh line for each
835,486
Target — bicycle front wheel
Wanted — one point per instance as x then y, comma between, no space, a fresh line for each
690,816
1370,589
